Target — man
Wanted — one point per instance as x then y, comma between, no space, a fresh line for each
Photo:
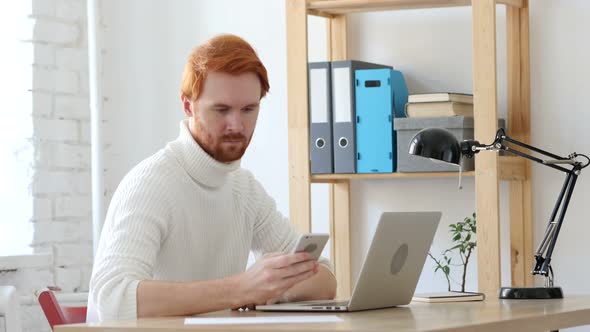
181,224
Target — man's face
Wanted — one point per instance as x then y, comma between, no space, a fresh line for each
223,118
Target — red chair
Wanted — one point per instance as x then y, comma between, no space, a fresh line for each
58,315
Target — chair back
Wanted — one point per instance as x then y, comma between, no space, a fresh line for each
10,309
58,315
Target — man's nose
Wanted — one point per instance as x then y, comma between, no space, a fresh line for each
234,122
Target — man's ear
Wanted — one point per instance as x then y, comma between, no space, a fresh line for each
187,105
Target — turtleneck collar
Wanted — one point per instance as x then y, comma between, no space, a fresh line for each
197,163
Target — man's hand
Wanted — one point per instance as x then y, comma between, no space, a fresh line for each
272,275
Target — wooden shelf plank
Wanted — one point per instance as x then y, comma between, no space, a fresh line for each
511,169
328,178
327,8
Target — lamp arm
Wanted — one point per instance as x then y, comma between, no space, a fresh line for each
544,252
500,144
501,137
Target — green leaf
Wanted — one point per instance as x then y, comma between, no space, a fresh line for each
468,237
446,270
457,237
455,247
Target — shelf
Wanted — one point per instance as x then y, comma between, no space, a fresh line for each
330,8
511,169
328,178
490,168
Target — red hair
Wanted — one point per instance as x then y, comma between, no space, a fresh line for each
224,53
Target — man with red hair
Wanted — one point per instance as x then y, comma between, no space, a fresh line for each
182,223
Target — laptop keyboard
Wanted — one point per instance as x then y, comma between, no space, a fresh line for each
338,303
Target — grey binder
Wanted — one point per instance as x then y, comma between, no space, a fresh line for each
344,112
320,118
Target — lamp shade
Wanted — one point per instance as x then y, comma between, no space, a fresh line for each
436,143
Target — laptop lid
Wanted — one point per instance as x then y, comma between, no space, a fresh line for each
394,261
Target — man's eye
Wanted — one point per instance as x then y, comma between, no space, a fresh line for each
221,110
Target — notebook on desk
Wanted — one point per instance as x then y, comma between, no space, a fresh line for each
391,268
448,297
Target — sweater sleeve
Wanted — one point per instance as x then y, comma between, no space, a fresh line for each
272,231
135,226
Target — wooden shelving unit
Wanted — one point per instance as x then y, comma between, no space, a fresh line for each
489,167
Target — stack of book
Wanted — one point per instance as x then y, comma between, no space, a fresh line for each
432,105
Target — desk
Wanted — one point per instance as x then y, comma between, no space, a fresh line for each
489,315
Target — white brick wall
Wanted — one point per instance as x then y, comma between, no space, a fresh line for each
72,107
56,80
44,55
72,58
42,208
79,206
86,273
33,319
55,130
56,232
85,132
73,254
68,278
55,32
63,155
28,280
56,183
61,183
43,8
42,104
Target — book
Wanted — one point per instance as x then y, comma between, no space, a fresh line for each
440,97
448,297
438,109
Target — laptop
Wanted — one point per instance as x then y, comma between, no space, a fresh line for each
391,268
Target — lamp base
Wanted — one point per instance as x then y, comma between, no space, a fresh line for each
527,293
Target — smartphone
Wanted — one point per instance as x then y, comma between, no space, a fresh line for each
313,243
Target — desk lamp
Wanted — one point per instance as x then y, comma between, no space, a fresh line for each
441,145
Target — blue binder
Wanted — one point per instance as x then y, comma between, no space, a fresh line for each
400,93
344,112
375,139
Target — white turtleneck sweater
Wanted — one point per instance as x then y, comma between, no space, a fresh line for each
181,216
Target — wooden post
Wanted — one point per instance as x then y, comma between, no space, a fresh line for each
486,164
298,118
337,38
521,229
340,228
340,190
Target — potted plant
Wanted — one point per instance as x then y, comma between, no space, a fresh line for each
464,242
